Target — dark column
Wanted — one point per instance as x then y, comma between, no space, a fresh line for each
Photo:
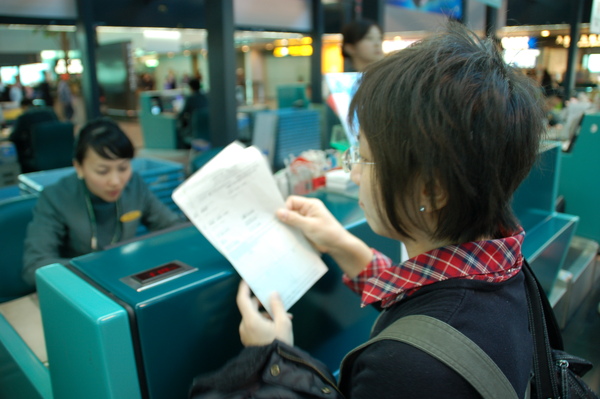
491,15
221,64
318,28
346,12
576,16
374,10
86,39
465,10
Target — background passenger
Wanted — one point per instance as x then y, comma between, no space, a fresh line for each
190,118
65,96
17,91
447,133
20,134
101,203
44,90
361,45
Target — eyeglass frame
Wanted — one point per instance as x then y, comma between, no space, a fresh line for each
351,157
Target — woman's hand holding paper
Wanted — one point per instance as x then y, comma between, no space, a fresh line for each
326,234
258,328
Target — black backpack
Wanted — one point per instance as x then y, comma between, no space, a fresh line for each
556,374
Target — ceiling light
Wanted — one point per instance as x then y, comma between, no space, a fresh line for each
162,34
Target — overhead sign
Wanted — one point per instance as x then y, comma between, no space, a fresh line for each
449,8
292,15
59,9
595,18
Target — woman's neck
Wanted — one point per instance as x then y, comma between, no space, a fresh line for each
359,65
421,244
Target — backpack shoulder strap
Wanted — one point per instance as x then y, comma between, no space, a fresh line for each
449,346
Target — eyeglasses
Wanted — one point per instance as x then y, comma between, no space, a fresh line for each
352,156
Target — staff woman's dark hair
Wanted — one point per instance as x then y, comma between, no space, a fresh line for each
106,138
454,115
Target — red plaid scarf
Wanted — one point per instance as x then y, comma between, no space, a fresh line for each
493,261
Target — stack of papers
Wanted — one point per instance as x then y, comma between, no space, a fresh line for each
232,200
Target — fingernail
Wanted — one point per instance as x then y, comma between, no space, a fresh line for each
282,214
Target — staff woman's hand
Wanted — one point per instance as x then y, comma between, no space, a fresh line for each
256,327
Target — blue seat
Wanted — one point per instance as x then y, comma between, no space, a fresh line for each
23,129
202,158
52,145
15,215
11,191
198,128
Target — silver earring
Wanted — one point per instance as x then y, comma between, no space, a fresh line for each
422,209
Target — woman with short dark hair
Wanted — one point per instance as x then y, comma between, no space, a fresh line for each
361,45
448,131
101,203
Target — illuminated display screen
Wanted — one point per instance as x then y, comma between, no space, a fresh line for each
156,272
157,275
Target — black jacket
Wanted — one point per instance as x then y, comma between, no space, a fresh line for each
493,315
267,372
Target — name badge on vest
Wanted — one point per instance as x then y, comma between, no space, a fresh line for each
130,216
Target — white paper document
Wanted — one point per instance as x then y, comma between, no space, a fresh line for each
232,201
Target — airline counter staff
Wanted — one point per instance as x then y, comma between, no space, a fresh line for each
103,203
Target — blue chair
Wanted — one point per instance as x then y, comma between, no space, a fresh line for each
201,124
52,145
23,129
15,215
11,191
201,159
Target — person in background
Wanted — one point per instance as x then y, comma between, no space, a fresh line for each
17,92
197,101
170,81
65,96
547,83
44,90
447,132
4,91
21,131
101,203
361,45
146,82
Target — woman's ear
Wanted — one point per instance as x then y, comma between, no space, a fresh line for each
432,197
78,169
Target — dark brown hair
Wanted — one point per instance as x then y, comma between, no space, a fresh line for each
106,138
449,110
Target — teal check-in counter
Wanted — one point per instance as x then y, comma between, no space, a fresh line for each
548,233
144,318
158,117
579,178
